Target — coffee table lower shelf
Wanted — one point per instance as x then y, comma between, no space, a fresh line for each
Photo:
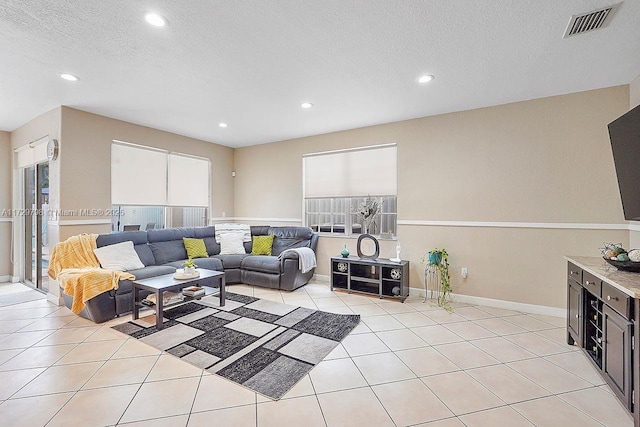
160,284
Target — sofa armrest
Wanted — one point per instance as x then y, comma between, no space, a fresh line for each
314,242
288,255
291,277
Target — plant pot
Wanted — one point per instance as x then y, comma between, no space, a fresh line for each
435,258
189,270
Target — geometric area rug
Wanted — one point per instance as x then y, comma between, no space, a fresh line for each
260,344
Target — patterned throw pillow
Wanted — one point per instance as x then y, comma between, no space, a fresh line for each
262,245
195,248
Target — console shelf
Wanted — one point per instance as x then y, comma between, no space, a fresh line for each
381,276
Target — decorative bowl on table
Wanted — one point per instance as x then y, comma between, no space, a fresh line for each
624,265
180,274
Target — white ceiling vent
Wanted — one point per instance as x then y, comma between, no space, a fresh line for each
590,21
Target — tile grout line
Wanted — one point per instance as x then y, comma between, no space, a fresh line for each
83,384
139,387
315,393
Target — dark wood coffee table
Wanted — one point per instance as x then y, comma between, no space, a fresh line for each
160,284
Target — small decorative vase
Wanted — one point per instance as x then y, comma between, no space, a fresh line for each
345,252
398,247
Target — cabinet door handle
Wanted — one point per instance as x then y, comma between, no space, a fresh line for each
577,316
609,298
573,272
588,283
599,340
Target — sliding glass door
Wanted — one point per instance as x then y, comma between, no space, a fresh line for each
36,203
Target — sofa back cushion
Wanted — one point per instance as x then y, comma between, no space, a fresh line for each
139,239
208,234
289,238
166,244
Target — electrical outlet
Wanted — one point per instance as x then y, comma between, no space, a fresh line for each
464,272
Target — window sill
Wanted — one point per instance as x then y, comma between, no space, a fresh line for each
355,236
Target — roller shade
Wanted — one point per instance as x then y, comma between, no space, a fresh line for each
351,173
32,154
138,176
188,181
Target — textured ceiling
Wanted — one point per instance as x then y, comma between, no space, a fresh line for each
251,63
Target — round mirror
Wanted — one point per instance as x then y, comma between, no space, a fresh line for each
364,238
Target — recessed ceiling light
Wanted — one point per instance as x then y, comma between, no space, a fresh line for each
306,105
155,19
425,79
222,125
69,77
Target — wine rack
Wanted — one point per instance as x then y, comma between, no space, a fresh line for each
593,328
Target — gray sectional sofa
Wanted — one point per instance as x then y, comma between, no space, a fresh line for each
162,252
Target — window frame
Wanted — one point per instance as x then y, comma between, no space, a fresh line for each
388,215
346,228
120,218
172,186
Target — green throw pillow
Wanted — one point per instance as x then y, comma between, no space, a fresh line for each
262,245
195,248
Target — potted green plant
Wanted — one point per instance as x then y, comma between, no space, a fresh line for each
189,267
439,259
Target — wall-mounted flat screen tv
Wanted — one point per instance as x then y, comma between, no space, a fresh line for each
624,133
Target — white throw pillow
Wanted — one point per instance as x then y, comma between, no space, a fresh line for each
231,244
118,257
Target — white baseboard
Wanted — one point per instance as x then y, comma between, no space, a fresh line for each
4,279
488,302
15,279
497,303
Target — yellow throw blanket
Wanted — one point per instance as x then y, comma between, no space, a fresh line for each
74,265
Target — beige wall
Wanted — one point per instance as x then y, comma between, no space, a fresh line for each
634,93
634,100
85,154
540,161
5,204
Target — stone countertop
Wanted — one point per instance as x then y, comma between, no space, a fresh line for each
625,281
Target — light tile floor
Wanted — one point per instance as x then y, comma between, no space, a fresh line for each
410,364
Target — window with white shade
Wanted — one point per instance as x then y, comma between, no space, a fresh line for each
153,188
32,153
337,182
138,176
188,181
